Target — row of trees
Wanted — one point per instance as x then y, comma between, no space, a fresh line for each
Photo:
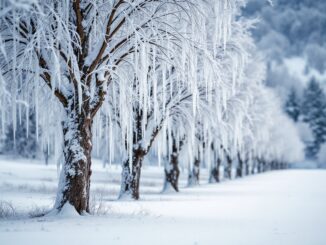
181,80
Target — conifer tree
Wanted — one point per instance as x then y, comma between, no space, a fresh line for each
314,113
292,106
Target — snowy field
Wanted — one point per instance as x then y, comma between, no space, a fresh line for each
280,207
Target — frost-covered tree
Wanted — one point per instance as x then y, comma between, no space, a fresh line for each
76,49
160,96
171,168
257,141
274,144
169,101
180,79
314,113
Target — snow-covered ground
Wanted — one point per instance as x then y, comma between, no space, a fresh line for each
281,207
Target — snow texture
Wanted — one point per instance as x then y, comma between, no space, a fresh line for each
280,207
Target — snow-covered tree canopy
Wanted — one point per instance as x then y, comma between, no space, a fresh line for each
165,77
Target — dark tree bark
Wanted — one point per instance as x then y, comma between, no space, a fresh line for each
228,169
172,171
46,154
131,179
248,166
75,177
172,175
193,175
215,172
215,175
240,167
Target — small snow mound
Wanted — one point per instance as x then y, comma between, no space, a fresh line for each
126,197
168,189
68,211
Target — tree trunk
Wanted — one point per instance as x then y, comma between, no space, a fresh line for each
131,179
254,168
240,167
266,166
284,165
260,166
215,175
228,169
193,176
74,185
46,155
172,171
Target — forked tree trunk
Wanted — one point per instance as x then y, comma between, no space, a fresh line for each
171,170
131,178
193,175
74,185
